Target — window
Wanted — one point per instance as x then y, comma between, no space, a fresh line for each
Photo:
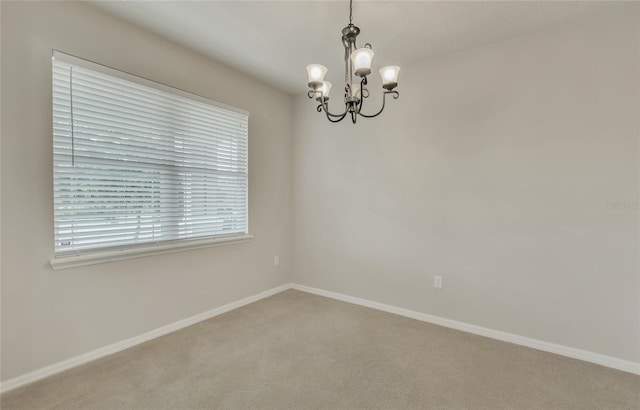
139,164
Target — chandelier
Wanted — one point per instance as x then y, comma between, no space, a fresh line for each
357,61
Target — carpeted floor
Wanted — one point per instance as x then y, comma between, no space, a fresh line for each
299,351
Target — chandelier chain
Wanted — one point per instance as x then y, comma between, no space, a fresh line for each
347,51
346,65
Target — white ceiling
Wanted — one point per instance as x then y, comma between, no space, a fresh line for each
275,40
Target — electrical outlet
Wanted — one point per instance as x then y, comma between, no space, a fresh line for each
437,282
276,260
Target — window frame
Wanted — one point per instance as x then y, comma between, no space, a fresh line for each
134,250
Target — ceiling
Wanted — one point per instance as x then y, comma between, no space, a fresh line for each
275,40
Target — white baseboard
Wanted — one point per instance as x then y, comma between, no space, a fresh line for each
608,361
125,344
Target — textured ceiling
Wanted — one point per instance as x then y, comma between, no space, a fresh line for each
275,40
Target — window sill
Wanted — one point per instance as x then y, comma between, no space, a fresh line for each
73,261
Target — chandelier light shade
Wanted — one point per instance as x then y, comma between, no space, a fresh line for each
357,62
316,73
362,59
324,90
389,76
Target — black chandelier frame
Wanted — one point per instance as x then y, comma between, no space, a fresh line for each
353,103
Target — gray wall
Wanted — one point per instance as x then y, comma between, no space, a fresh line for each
496,169
50,316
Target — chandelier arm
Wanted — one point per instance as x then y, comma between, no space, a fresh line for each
338,120
384,98
319,109
363,82
339,117
325,108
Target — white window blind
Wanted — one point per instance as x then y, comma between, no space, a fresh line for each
139,163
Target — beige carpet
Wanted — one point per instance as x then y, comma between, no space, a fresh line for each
299,351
